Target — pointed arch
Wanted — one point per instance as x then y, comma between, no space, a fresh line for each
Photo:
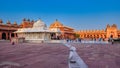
4,36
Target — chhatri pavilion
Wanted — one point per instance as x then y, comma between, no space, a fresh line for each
38,33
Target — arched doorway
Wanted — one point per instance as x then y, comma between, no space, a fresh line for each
118,36
111,36
53,36
4,36
12,35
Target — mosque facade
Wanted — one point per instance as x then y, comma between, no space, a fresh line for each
109,32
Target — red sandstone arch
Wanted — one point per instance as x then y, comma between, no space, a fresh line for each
118,36
12,35
4,36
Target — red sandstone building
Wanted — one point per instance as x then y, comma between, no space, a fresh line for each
110,31
6,30
66,32
27,23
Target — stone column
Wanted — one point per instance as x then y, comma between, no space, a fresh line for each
10,35
15,35
0,35
6,35
32,36
44,37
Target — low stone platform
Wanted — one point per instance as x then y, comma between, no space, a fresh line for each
29,55
99,55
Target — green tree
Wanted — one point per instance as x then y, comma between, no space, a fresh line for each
76,35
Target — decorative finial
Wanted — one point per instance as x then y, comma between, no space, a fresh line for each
8,22
56,19
15,23
28,20
24,19
40,19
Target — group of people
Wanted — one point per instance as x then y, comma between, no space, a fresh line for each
75,40
111,40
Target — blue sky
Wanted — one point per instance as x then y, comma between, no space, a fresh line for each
79,14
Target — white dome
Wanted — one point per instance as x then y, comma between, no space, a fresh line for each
40,25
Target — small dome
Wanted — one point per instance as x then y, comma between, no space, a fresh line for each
8,22
114,25
56,24
32,21
24,19
15,23
1,21
108,25
39,24
28,20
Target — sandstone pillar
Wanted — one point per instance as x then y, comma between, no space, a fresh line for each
0,35
6,35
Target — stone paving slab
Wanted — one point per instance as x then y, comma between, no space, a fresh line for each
74,60
99,55
31,55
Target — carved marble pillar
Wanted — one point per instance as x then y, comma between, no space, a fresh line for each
32,35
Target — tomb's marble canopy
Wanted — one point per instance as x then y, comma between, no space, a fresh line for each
38,33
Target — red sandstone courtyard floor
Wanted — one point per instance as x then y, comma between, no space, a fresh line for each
99,55
29,55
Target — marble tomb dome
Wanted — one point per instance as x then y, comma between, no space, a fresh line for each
40,25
